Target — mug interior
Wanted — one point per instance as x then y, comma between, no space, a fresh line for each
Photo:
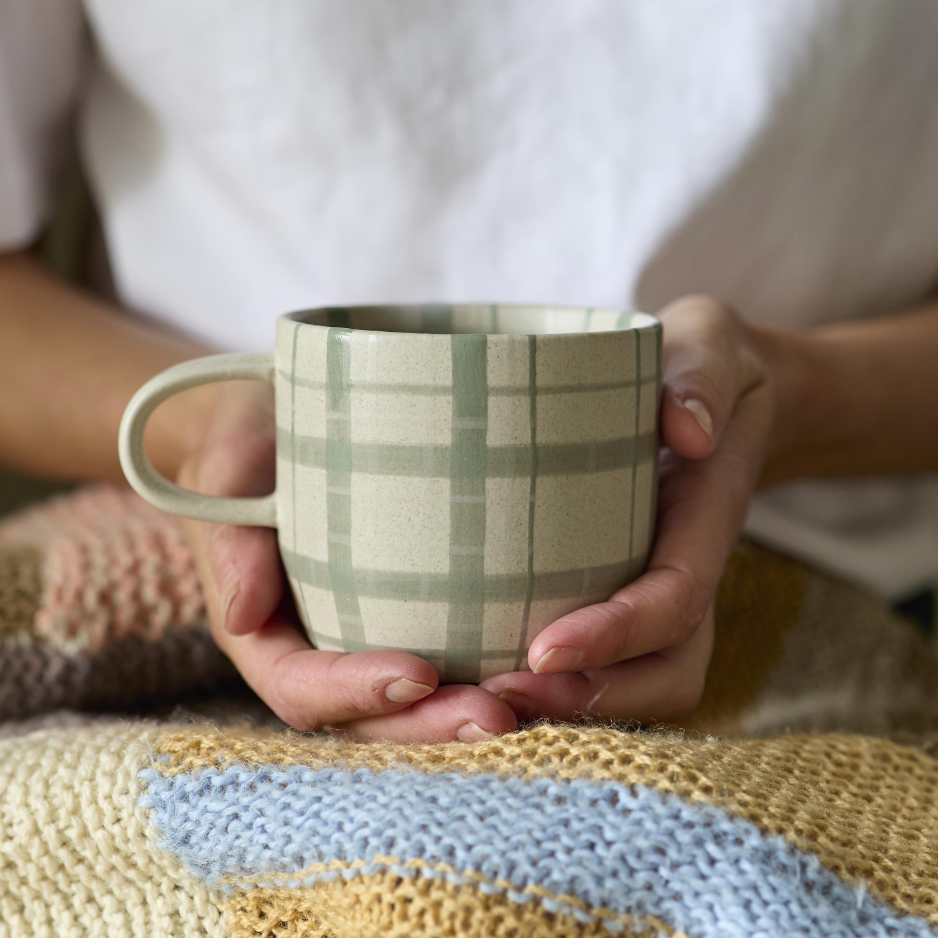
475,319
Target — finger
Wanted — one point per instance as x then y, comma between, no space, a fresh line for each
708,366
307,688
703,506
656,687
460,712
654,612
239,567
246,581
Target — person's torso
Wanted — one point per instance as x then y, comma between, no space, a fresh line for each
250,158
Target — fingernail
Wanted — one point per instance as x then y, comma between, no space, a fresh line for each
230,588
404,691
558,659
522,706
701,415
470,733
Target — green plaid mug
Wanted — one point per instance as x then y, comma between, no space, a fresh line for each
450,479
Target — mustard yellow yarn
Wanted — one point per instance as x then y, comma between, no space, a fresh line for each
384,905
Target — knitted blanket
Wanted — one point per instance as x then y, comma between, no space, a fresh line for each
144,792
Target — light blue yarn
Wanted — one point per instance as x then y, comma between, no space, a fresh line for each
629,849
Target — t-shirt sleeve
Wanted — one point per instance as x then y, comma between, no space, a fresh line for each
41,52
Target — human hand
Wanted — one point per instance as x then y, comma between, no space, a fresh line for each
367,695
643,655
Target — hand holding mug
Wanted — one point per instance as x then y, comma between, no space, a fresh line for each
643,655
311,687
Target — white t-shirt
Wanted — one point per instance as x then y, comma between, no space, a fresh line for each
250,158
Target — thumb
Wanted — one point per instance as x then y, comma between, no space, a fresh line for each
709,364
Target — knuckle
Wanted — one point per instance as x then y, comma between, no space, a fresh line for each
621,621
704,385
690,607
688,623
254,552
291,694
630,627
718,318
709,313
351,684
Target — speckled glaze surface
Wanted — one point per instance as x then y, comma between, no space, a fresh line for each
450,479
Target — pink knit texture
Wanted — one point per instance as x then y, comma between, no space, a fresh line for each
113,567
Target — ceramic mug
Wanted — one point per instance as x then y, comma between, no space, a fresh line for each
450,479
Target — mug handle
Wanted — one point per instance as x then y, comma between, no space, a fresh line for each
159,491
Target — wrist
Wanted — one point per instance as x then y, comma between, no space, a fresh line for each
828,406
796,369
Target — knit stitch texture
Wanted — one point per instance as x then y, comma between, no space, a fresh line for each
212,826
625,855
100,608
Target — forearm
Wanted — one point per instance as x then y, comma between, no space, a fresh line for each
857,398
68,365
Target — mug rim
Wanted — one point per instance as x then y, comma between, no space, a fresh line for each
640,321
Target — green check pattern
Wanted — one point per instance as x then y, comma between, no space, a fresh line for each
450,485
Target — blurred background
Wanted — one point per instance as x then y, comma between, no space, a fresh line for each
73,246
